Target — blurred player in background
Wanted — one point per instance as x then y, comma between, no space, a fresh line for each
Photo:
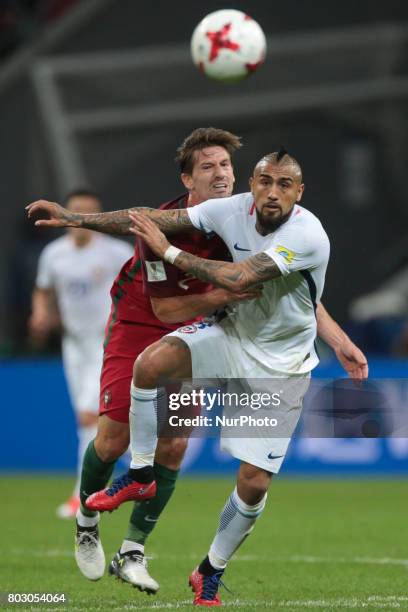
74,276
149,299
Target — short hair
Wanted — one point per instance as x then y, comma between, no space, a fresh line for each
81,193
202,138
281,158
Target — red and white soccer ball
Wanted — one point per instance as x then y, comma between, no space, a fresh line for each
228,45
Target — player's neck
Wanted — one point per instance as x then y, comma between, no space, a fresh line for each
192,200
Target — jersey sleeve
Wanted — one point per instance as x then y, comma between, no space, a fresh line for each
208,217
298,248
44,279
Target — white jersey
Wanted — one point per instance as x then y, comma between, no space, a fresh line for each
81,278
278,329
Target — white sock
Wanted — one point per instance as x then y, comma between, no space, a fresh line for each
236,523
87,521
129,545
143,426
85,436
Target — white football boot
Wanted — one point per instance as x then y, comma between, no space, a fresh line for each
89,553
131,567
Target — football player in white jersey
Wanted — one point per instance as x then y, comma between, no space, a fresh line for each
274,242
261,216
75,273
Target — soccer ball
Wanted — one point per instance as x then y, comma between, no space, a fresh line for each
228,45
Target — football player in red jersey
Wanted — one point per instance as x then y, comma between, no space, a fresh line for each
149,299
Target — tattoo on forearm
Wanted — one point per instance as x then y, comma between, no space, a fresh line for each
118,221
218,273
169,221
234,277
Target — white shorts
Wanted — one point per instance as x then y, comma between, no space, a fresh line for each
82,360
217,356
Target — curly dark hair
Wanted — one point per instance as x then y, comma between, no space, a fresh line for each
202,138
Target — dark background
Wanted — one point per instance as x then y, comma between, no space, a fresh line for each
334,91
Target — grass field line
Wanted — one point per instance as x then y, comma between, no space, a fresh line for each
362,560
373,602
56,552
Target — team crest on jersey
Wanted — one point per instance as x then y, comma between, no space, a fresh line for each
191,329
155,271
285,253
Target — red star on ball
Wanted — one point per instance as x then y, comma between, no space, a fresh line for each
219,40
252,67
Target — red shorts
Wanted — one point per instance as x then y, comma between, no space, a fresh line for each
124,342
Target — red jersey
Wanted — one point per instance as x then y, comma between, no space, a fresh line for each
145,276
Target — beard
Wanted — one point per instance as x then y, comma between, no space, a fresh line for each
267,225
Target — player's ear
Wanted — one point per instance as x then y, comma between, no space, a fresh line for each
300,191
251,182
187,181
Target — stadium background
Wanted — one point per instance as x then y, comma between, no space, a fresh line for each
100,93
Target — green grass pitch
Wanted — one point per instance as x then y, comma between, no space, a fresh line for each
319,545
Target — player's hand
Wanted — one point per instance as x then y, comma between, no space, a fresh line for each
352,359
143,227
50,214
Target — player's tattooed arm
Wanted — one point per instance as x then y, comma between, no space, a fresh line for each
120,221
168,221
231,276
51,214
234,277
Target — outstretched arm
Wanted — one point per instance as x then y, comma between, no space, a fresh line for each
231,276
116,222
349,355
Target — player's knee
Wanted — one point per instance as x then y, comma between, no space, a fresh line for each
146,369
160,360
170,452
